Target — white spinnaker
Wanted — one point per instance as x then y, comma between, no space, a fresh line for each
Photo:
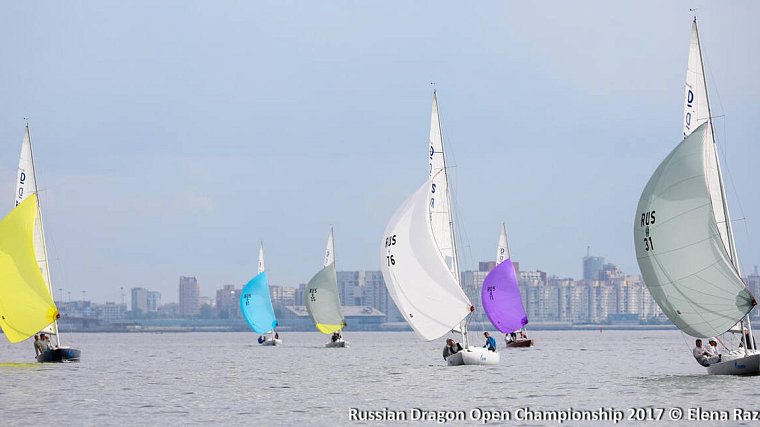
26,184
440,205
330,250
261,257
697,112
416,275
681,255
502,251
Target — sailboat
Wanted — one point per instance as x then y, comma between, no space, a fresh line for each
256,306
501,296
683,235
419,260
323,301
26,295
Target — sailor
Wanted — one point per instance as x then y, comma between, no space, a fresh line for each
451,348
276,335
747,339
512,337
46,342
700,353
713,355
39,346
490,342
335,337
261,339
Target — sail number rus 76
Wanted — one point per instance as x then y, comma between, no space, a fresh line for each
390,241
647,219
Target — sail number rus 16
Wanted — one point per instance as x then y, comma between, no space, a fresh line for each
390,241
647,219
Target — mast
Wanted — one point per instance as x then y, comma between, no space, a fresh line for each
46,269
455,256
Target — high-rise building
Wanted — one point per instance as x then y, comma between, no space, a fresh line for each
154,301
282,295
189,296
592,266
139,300
228,302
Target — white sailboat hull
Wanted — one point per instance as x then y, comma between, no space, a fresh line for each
341,343
272,341
474,356
736,363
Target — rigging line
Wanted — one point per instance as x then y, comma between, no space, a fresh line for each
732,182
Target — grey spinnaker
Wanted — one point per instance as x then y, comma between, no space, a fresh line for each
323,301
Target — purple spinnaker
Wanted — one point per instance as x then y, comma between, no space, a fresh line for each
501,299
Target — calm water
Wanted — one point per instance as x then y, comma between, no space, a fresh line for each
226,379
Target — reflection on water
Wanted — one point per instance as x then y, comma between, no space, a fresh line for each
224,378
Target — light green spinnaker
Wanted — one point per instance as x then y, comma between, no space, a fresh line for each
680,251
322,299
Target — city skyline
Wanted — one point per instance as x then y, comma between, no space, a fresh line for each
174,149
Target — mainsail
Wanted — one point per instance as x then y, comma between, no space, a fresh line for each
683,258
440,204
26,305
501,294
256,302
322,299
696,113
26,185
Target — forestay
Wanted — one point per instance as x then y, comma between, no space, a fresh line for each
256,302
682,257
501,293
26,305
322,299
416,275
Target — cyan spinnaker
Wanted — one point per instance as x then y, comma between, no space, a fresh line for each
256,304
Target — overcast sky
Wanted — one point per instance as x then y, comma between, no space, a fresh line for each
171,137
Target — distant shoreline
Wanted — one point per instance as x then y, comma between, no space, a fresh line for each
537,327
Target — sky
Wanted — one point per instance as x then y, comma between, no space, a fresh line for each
172,137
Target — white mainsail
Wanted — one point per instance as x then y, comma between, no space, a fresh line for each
502,251
330,249
261,257
26,184
418,279
683,258
440,203
697,112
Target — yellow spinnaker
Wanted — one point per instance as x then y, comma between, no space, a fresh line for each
328,329
26,306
